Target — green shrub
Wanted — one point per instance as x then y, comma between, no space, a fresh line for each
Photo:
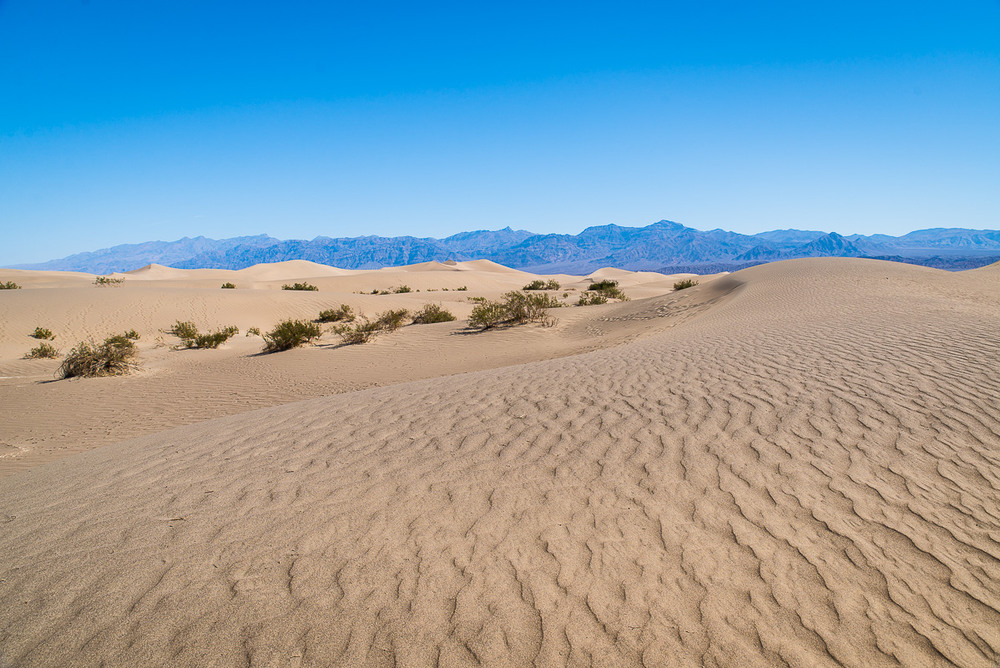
300,286
105,281
290,334
517,308
462,289
390,321
685,284
9,285
362,331
114,357
253,331
403,289
228,286
43,333
342,314
609,289
537,284
192,338
132,334
42,351
591,298
431,313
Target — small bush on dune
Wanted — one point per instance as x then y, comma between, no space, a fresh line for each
300,286
431,313
114,357
343,314
253,331
290,334
190,337
228,286
390,320
608,289
462,289
588,298
403,289
362,331
42,351
535,285
106,281
43,333
517,308
9,285
685,284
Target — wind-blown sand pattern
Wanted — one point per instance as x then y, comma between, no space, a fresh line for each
798,464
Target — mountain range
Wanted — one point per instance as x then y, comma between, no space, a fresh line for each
663,246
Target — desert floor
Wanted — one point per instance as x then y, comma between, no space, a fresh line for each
795,464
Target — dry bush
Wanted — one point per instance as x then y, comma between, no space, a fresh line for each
300,286
189,335
343,314
42,351
431,313
588,298
115,356
9,285
290,334
685,284
43,333
391,320
108,281
228,286
516,308
362,331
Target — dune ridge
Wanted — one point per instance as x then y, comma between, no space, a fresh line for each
806,472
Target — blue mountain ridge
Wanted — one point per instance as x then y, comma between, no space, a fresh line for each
662,246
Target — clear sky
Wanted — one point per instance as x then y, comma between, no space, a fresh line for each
125,121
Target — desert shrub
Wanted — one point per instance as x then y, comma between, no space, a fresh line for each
42,351
9,285
462,289
390,320
362,331
300,286
403,289
253,331
537,284
686,283
477,300
105,281
609,289
191,338
228,286
588,298
132,334
43,333
487,314
290,334
114,357
432,313
343,314
517,308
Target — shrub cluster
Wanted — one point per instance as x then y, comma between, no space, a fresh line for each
290,334
43,333
516,308
539,284
588,298
9,285
300,286
391,320
42,351
105,281
114,357
609,289
228,286
686,283
403,289
190,337
431,313
343,314
366,329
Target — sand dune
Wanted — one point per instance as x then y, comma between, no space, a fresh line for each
798,464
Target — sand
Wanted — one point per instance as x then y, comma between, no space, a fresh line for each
796,464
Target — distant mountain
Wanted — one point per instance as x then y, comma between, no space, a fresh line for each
663,246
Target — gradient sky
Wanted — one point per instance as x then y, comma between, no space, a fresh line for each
125,121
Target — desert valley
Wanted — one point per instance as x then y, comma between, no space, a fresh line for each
793,464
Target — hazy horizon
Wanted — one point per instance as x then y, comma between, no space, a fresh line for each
126,123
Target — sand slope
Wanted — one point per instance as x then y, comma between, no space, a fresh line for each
805,472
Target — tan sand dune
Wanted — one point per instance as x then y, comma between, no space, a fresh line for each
288,270
800,466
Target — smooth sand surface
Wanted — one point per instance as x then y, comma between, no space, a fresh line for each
797,464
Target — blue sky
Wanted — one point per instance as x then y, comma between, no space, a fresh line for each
123,122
